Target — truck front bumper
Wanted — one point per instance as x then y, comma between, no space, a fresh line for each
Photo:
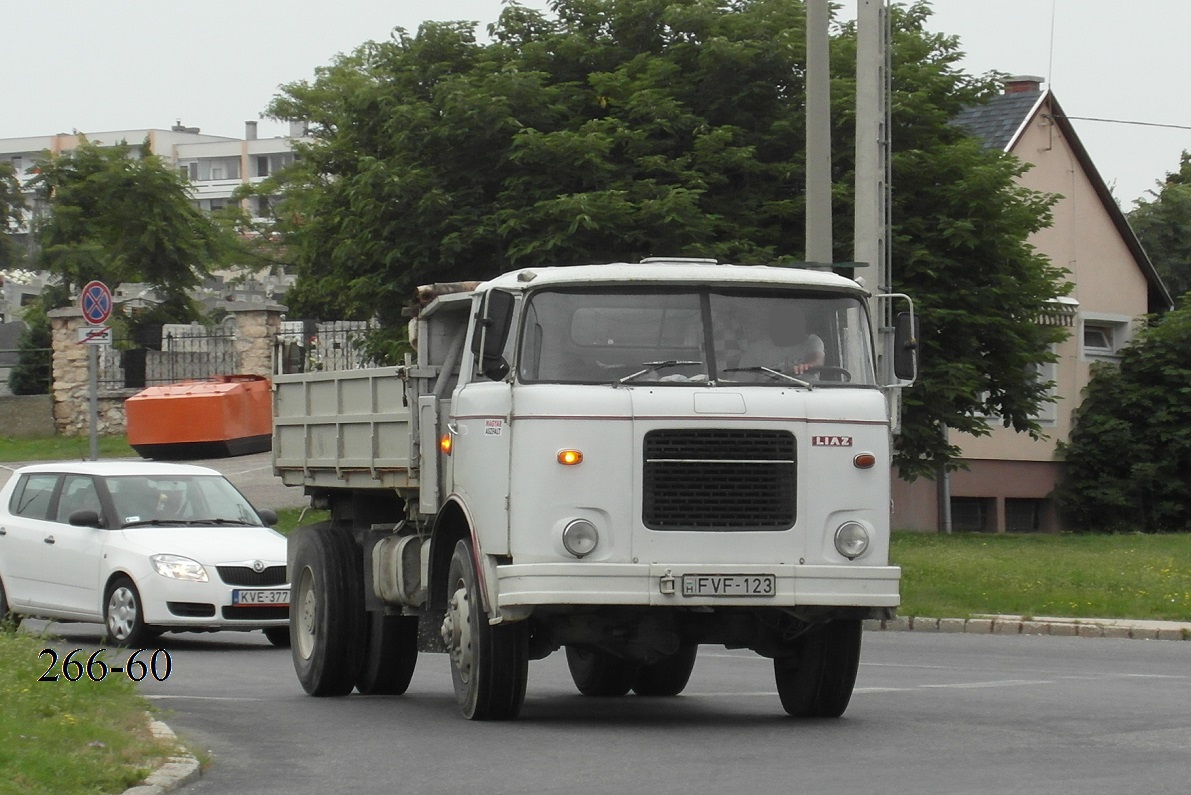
533,584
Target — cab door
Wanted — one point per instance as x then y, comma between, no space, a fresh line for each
74,554
480,427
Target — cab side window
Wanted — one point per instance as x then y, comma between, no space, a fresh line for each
32,497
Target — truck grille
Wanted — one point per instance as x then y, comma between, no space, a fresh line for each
719,479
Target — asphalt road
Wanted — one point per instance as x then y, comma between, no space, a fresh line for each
932,713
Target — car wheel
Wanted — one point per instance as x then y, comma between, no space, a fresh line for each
124,616
8,620
817,678
489,664
278,636
668,676
598,673
390,655
326,611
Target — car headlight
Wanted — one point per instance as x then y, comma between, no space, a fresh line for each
580,537
179,568
851,540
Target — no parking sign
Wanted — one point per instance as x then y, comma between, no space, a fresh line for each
96,303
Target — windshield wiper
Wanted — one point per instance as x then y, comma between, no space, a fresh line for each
770,371
188,523
653,367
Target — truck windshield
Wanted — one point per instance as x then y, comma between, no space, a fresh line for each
727,336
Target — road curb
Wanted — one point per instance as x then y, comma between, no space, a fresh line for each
176,771
1038,625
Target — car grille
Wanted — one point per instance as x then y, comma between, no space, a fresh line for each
719,479
257,613
244,575
191,609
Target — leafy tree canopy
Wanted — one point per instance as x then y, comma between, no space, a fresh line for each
122,214
617,129
11,205
1163,225
1130,447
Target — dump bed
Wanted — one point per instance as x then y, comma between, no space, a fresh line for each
345,429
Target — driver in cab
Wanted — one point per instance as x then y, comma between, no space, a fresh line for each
785,345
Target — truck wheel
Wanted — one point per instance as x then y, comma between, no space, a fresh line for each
489,664
390,654
598,673
123,615
669,676
816,681
326,611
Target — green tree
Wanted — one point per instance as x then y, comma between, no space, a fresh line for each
1130,447
616,129
32,373
12,204
122,214
1163,225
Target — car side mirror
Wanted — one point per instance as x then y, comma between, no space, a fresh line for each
85,518
268,516
496,321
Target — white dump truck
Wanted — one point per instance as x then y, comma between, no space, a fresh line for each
625,461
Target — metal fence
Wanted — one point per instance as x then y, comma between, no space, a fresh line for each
181,353
308,346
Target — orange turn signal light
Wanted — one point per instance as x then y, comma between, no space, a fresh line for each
445,443
864,461
569,457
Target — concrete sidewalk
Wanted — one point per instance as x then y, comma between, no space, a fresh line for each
1040,625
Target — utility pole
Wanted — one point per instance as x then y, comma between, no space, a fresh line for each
818,136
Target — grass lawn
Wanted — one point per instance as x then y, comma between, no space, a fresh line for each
69,737
61,448
1082,576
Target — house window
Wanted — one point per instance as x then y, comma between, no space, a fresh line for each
973,514
1104,336
193,172
262,166
216,172
1023,516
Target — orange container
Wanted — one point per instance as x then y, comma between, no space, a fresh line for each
225,416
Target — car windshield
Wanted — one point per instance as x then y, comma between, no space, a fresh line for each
692,335
179,499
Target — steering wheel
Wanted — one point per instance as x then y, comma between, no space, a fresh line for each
822,370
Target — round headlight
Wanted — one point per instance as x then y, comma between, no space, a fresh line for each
580,537
851,540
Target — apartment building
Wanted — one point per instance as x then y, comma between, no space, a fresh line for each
215,165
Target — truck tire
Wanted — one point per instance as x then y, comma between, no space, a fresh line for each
598,673
326,611
816,681
390,654
669,676
489,664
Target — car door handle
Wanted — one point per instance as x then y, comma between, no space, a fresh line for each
3,531
48,539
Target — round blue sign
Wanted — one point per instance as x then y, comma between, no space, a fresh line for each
96,303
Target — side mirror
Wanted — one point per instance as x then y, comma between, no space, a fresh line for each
495,321
905,346
268,516
85,518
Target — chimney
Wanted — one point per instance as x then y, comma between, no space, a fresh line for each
1021,84
249,131
298,129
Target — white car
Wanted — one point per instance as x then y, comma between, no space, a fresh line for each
143,547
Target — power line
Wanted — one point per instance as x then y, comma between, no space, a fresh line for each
1124,121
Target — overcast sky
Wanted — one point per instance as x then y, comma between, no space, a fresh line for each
132,64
